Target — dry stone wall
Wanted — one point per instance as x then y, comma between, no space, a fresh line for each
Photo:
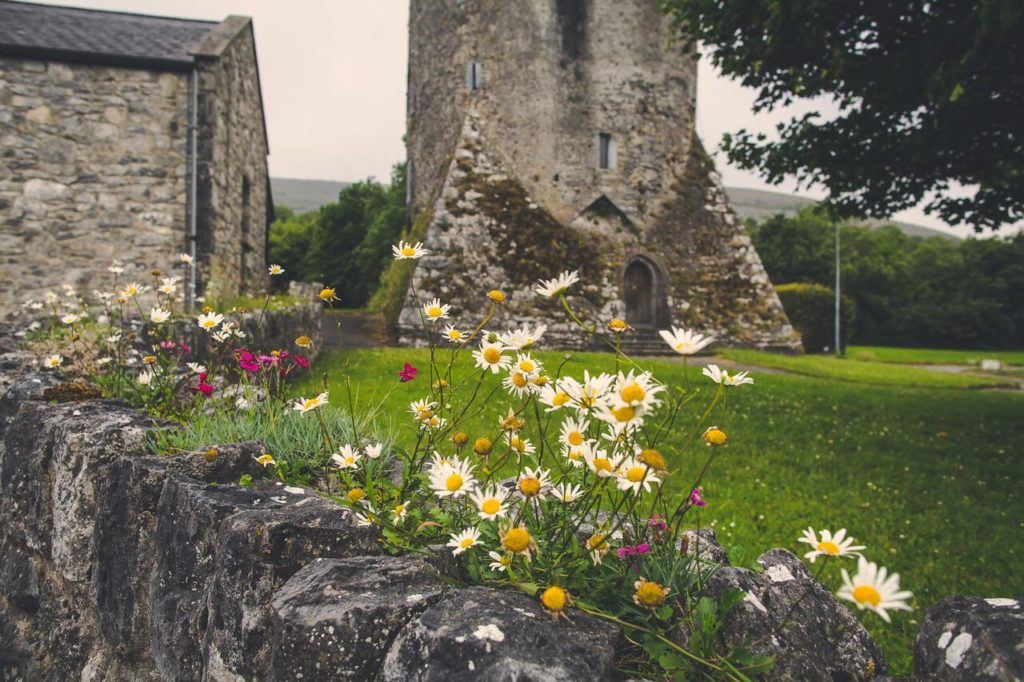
119,565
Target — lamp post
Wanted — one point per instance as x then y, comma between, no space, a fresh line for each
839,349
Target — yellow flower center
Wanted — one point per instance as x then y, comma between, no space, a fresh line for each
527,366
206,324
482,446
455,335
633,393
624,413
602,464
554,598
575,438
520,380
866,594
434,311
496,296
650,593
652,458
400,510
467,542
636,474
529,487
492,355
490,506
559,399
356,494
424,414
828,547
309,404
575,454
715,436
453,483
597,543
517,444
516,540
408,252
303,342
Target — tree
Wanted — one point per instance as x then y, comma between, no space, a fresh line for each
930,96
289,241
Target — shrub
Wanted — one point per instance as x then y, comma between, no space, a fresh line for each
811,309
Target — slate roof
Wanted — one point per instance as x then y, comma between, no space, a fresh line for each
98,37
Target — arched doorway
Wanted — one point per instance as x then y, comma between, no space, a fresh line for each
639,288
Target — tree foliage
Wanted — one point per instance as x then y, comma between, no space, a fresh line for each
908,291
345,244
930,96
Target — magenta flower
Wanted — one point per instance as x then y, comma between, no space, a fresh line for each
301,360
248,362
203,387
642,548
657,521
696,500
185,348
407,373
168,345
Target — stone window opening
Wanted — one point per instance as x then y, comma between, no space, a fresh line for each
606,152
474,76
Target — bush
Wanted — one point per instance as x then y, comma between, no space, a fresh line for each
811,309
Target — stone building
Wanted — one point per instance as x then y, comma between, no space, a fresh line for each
132,137
551,135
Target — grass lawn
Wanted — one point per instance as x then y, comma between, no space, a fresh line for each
927,356
925,476
863,372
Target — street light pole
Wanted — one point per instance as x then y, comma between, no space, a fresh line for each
839,350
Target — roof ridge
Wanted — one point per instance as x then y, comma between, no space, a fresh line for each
93,10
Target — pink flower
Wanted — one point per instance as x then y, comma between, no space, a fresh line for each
624,552
203,387
185,348
696,500
168,345
657,521
301,360
408,373
269,360
248,362
642,548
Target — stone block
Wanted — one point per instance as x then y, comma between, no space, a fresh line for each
971,638
337,617
484,634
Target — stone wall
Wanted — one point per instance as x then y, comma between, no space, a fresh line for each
233,175
116,564
92,167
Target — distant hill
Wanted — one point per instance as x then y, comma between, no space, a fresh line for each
306,195
759,204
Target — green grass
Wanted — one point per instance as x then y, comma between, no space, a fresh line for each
928,356
861,372
928,478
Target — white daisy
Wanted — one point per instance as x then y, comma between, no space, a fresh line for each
554,395
489,356
308,404
531,482
873,589
499,562
144,378
527,365
115,268
524,337
519,384
373,450
399,511
434,311
601,464
274,269
460,542
574,432
408,250
455,335
577,454
829,545
70,318
452,480
553,287
521,446
159,315
592,393
346,457
53,361
566,492
721,376
168,285
490,503
210,320
196,367
685,341
634,474
637,390
186,259
422,410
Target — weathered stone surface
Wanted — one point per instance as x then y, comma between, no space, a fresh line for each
484,634
971,638
258,551
819,639
336,618
703,546
187,539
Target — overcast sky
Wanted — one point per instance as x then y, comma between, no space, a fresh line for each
333,77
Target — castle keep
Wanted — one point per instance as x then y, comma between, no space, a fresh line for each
551,135
131,137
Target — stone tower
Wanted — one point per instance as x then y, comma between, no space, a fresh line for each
551,135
